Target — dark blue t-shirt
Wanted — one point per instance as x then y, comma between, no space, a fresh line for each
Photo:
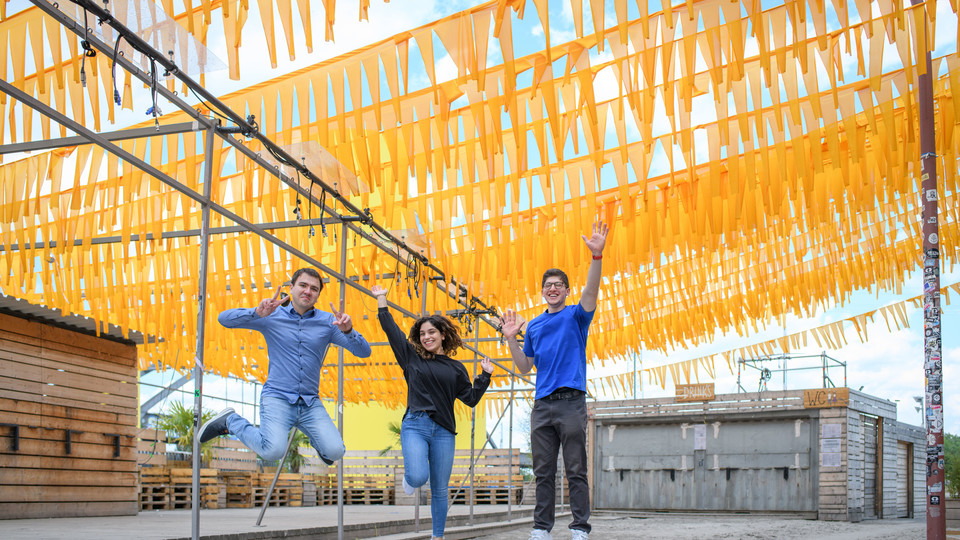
557,342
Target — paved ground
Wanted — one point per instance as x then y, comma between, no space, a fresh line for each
699,526
240,524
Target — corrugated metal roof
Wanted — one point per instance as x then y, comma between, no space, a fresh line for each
21,308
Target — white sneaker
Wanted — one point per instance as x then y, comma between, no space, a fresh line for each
577,534
540,534
407,488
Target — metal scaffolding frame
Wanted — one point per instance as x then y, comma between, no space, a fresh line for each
351,221
758,365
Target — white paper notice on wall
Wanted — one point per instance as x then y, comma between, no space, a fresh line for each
831,431
829,446
700,437
830,460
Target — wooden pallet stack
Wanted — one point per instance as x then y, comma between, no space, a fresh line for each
154,488
494,481
238,488
287,492
181,489
368,478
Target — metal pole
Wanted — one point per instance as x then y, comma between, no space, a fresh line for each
932,363
201,317
343,298
266,500
473,422
510,466
416,493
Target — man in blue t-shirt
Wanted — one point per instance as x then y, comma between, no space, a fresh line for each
556,343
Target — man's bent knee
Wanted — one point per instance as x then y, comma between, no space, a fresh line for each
272,453
334,453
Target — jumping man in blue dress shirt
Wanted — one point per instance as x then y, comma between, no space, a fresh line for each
297,336
556,343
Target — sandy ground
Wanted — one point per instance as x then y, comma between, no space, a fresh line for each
687,526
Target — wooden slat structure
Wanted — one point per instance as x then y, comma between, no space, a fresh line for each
68,406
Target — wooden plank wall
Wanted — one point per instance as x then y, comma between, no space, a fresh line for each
68,405
832,492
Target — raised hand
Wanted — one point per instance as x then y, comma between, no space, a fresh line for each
598,238
269,305
341,320
511,323
381,295
486,365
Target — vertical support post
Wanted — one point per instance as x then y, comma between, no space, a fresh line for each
473,418
201,318
932,363
510,446
416,493
343,298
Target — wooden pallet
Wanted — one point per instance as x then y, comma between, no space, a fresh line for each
238,488
281,496
368,496
154,497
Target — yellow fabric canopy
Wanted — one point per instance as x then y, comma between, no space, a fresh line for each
750,167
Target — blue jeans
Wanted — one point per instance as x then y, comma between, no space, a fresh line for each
428,452
277,416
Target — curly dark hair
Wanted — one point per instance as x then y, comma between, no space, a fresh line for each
448,329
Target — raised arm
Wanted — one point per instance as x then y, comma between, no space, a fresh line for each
596,243
348,338
510,323
395,336
471,394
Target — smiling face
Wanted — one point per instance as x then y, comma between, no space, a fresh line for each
304,293
431,338
555,292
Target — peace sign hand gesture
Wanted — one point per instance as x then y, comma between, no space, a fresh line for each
341,320
269,305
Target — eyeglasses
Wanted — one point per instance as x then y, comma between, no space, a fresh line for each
554,285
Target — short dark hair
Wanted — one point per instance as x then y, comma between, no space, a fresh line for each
308,271
448,329
555,272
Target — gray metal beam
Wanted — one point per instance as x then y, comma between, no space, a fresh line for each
121,135
161,395
116,239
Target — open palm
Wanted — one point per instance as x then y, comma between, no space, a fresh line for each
598,238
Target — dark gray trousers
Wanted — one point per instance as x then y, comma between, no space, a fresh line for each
556,424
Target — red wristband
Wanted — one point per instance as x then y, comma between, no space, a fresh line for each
597,257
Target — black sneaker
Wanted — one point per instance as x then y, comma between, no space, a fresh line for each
215,426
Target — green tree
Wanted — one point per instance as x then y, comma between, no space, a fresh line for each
178,423
951,448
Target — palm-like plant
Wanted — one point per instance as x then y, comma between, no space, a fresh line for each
178,423
295,459
392,427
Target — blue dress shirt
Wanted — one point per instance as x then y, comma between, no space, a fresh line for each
296,346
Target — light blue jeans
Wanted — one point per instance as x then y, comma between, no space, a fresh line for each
428,453
277,416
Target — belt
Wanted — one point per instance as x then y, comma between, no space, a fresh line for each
563,393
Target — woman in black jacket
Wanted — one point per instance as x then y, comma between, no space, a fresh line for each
434,381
